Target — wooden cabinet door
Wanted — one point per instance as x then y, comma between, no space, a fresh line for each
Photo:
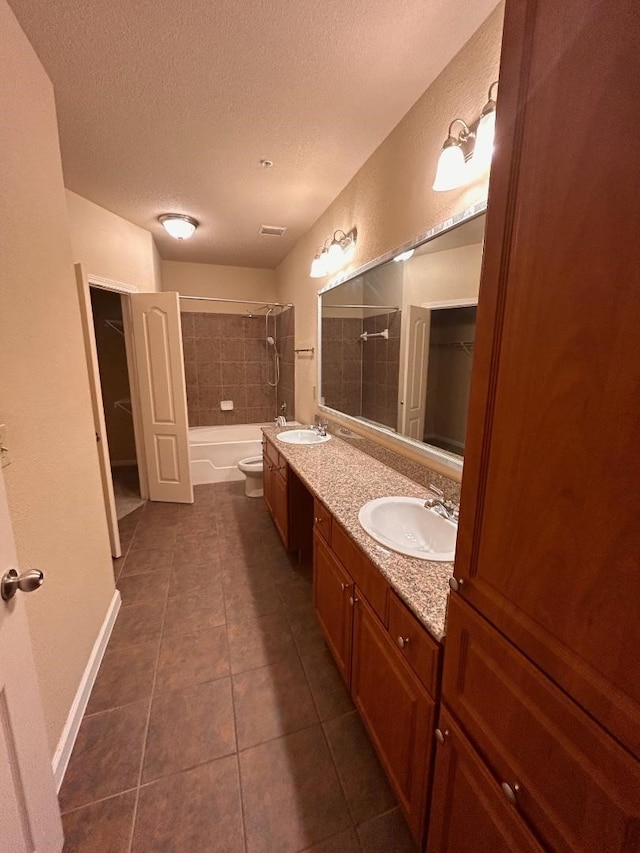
397,712
280,506
267,481
549,532
469,812
332,591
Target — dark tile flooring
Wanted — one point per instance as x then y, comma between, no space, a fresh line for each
218,721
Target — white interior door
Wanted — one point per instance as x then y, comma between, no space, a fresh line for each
29,813
414,394
157,336
98,409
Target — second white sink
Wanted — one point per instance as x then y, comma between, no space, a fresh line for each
405,525
302,436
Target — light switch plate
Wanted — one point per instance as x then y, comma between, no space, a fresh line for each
5,459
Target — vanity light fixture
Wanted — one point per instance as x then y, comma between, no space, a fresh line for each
178,225
451,171
340,251
467,155
485,132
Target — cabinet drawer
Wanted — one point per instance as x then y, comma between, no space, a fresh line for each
578,789
369,580
421,651
272,452
322,520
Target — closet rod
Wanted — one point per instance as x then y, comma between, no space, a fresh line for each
239,301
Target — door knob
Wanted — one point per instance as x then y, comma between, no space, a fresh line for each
27,582
456,584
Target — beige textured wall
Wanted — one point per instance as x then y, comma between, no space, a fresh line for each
53,483
439,276
221,281
390,199
112,247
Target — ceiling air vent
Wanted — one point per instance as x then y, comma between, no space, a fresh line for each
272,230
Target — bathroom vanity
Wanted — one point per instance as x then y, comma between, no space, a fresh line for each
382,614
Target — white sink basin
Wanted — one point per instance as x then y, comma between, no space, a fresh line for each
405,525
302,436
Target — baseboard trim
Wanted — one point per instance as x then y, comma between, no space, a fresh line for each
79,705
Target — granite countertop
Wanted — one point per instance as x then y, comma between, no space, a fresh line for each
344,478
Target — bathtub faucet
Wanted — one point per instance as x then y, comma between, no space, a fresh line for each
281,421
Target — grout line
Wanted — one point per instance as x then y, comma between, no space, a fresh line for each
99,800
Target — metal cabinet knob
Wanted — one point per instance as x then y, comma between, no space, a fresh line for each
403,641
510,792
353,600
26,582
345,586
440,735
456,584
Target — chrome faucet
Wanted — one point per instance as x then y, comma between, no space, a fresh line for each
447,509
320,427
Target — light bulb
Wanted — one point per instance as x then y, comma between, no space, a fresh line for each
335,257
451,171
483,150
318,265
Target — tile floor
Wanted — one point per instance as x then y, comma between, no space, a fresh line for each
218,721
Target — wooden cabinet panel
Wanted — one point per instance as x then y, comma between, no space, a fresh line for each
396,710
280,506
322,520
469,812
272,452
361,569
580,790
421,652
267,481
332,589
549,535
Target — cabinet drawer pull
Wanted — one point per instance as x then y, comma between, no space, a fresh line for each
345,586
318,520
441,736
456,584
510,792
403,641
353,600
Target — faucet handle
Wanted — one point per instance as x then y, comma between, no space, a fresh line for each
436,490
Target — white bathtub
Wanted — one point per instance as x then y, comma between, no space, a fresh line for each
215,451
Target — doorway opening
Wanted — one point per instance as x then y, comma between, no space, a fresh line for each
108,324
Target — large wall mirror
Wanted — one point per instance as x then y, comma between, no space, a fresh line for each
396,339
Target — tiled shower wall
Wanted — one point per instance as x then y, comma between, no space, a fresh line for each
342,364
227,358
285,335
381,369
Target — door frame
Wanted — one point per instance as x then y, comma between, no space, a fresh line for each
125,290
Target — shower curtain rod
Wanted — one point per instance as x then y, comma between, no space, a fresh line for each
239,301
382,307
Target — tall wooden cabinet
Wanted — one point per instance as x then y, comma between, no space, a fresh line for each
548,557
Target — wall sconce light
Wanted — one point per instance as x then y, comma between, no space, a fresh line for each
329,259
178,225
467,155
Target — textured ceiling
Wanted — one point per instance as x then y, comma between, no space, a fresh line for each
168,107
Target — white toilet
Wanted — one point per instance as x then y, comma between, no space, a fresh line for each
251,467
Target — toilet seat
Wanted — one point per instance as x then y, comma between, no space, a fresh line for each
251,467
251,463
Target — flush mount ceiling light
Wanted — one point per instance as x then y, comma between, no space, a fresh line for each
467,155
178,225
404,256
341,249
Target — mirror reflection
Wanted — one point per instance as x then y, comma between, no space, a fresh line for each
397,340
